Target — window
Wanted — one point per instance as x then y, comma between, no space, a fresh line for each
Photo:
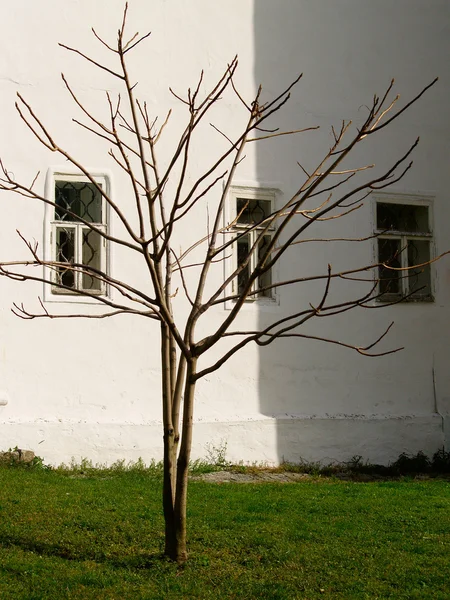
250,209
72,241
404,239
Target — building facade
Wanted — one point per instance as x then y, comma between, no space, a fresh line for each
91,388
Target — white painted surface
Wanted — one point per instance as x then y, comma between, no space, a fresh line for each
91,388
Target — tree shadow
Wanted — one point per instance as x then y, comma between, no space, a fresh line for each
142,560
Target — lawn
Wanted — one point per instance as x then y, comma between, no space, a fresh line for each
100,536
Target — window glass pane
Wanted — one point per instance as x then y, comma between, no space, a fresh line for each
402,217
420,278
265,279
243,248
389,253
79,197
65,253
91,256
251,212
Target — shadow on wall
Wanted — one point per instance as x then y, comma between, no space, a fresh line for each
328,402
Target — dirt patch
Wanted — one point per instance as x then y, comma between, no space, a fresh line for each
258,477
267,476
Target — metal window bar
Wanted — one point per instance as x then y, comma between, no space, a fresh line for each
82,246
79,197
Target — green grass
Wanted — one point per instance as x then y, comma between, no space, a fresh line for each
100,536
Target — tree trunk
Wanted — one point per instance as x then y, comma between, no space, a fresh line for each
170,442
179,515
169,492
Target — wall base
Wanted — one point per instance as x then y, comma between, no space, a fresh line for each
377,439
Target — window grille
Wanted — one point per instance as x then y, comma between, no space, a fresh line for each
73,242
252,209
404,239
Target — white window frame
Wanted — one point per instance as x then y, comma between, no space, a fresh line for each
53,293
404,236
248,192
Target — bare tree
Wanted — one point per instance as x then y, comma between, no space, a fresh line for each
132,135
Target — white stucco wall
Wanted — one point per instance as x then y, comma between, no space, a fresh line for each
87,388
